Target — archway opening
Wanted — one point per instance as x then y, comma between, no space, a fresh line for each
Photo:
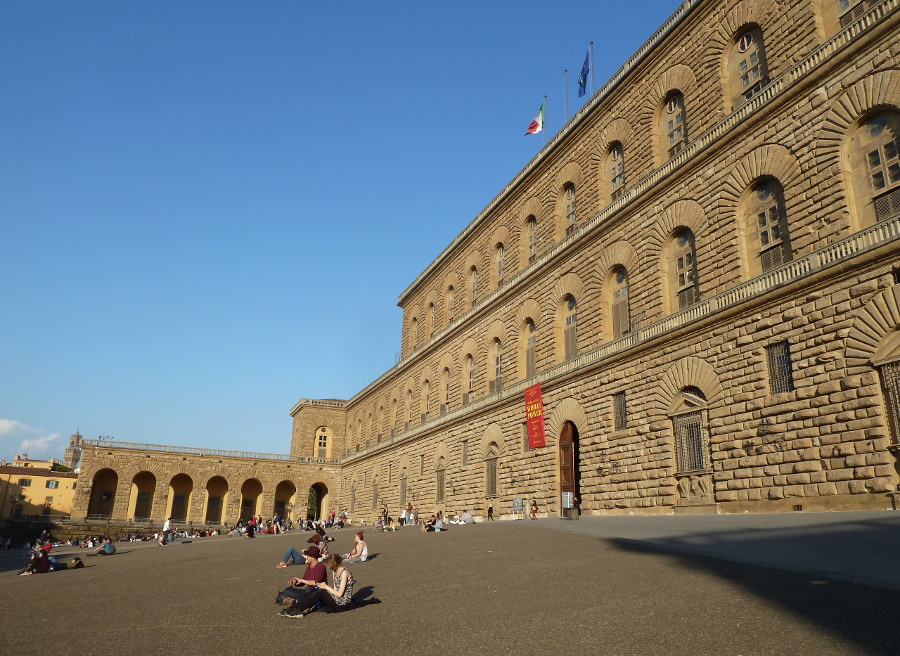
180,489
569,472
250,491
284,500
103,494
216,492
140,504
315,504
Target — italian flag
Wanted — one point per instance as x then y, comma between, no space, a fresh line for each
538,123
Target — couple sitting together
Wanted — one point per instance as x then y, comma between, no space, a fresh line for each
310,590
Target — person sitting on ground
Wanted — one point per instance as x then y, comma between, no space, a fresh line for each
39,564
466,518
298,558
439,522
107,548
429,526
332,597
360,550
313,575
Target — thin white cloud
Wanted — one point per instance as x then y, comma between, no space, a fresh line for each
39,447
11,427
30,440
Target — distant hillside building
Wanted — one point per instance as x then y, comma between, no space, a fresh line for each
701,272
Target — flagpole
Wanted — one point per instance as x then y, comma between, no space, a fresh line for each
592,67
545,121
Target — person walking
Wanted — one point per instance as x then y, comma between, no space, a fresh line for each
534,509
491,512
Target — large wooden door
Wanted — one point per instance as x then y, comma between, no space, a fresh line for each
567,466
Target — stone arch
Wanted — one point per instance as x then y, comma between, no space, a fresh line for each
496,330
528,308
567,409
687,372
618,130
772,161
447,362
568,283
678,77
532,207
570,173
741,17
441,451
619,252
492,434
872,93
876,320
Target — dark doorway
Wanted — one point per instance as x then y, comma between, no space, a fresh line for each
569,477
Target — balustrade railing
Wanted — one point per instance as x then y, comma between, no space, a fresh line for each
857,244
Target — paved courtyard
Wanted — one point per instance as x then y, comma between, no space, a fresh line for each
505,588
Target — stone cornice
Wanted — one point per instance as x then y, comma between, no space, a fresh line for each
602,94
834,255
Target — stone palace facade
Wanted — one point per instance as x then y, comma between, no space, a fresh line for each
701,270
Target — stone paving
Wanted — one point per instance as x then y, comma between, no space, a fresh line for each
510,587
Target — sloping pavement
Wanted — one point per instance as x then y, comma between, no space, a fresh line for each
860,547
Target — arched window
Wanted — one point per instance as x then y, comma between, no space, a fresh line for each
430,320
530,341
621,315
426,400
414,329
747,66
473,284
570,330
876,167
616,168
323,442
451,304
408,410
441,481
691,439
395,419
500,264
445,391
469,379
490,486
495,383
766,213
673,124
684,269
532,237
569,207
378,433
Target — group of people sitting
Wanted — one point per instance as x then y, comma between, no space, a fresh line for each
42,562
310,591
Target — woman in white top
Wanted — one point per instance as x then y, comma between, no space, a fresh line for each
360,550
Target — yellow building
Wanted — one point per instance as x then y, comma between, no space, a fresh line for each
32,489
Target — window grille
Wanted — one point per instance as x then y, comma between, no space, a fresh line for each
571,214
690,440
781,378
617,170
675,124
439,496
854,9
491,483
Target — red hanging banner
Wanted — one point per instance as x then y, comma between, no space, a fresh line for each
534,416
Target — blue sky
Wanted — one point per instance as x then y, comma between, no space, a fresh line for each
209,209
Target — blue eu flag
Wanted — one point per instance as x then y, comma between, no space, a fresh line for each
582,79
